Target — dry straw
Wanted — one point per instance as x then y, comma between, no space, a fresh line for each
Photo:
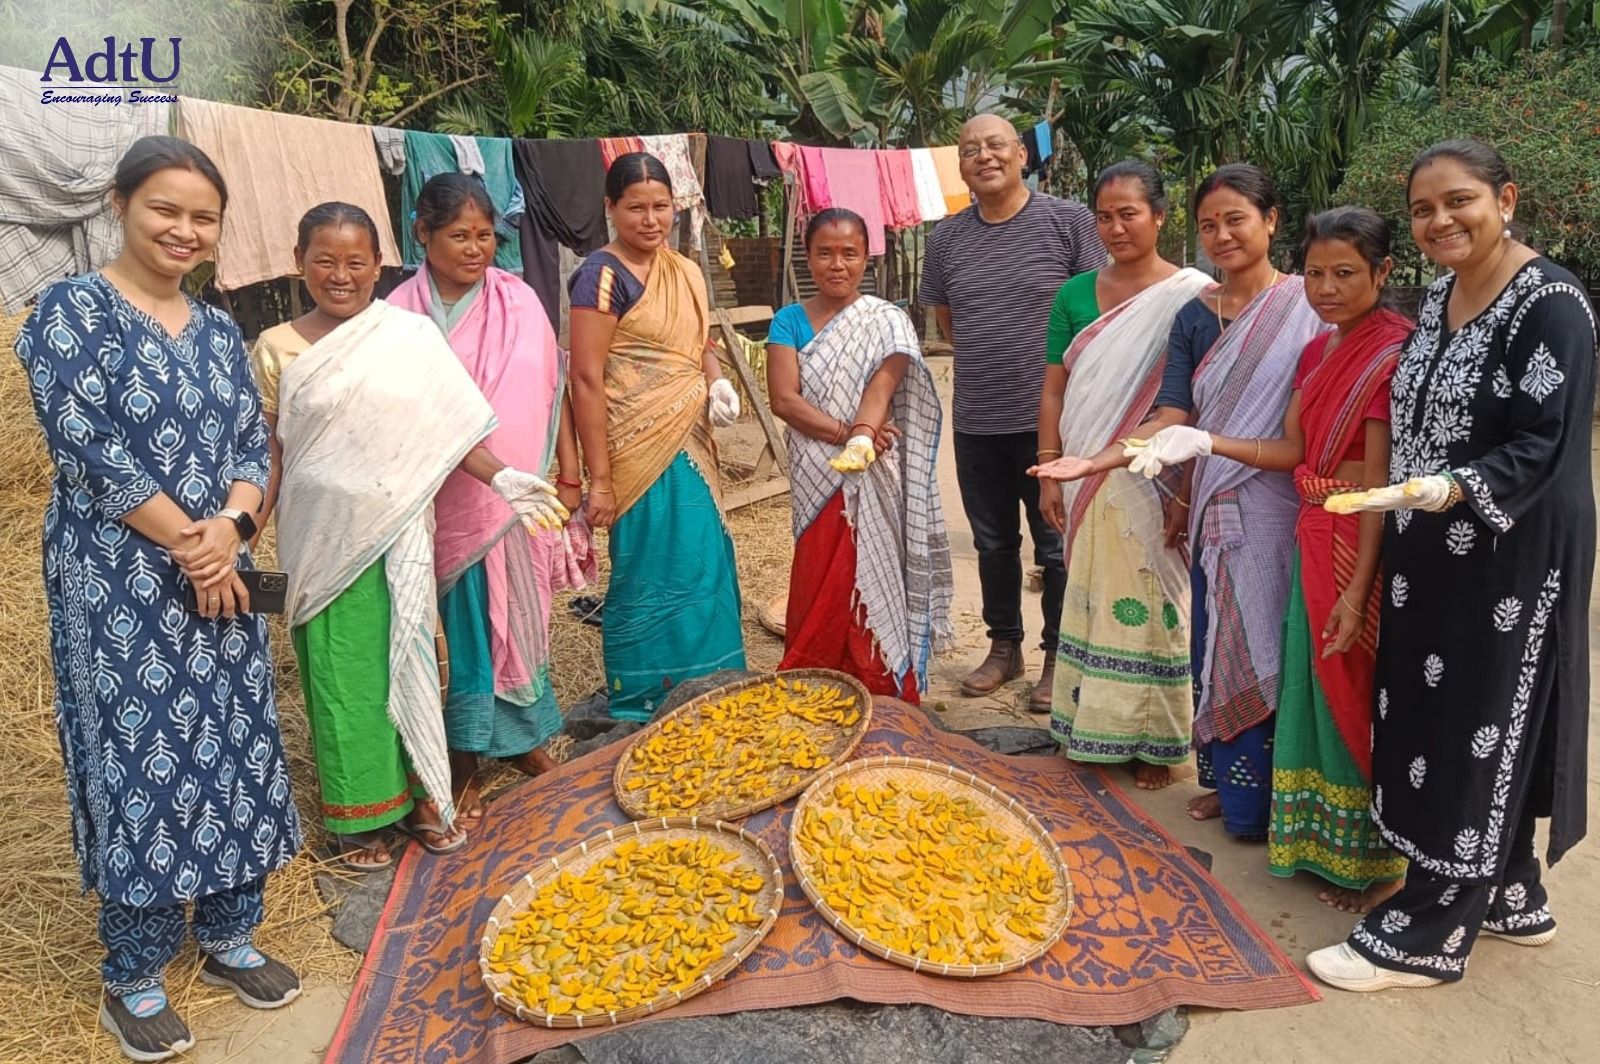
1004,812
837,747
49,953
579,858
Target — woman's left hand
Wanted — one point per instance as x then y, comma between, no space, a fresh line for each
209,552
1342,630
569,496
883,439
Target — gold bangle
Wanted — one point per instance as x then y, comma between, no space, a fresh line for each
600,491
1257,462
1346,604
1180,502
1047,451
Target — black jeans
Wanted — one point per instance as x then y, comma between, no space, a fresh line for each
995,490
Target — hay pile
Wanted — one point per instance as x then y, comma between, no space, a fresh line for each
49,954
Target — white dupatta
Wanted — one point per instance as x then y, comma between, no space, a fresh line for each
372,417
1111,383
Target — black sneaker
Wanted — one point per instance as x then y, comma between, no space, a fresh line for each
270,985
145,1038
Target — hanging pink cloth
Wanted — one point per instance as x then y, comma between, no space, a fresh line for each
509,349
818,194
853,183
898,186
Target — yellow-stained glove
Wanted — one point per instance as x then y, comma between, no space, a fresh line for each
531,497
857,455
1430,493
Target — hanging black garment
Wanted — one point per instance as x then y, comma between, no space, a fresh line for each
564,184
762,161
730,179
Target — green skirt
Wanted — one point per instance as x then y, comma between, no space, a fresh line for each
476,720
344,671
672,607
1321,819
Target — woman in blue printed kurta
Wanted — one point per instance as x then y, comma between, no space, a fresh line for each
175,770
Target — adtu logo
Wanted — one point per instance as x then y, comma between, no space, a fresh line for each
111,74
109,65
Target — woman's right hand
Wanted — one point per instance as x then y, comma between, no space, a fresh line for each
1176,530
602,504
1064,469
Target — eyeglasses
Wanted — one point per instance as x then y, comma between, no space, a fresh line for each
994,146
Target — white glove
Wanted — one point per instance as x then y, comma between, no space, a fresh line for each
1171,446
1420,493
724,400
857,455
533,499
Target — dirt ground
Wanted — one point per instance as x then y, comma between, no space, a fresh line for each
1516,1004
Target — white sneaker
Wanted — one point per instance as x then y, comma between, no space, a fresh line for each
1522,940
1342,967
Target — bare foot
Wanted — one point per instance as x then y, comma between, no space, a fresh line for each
1205,807
1151,777
1359,901
464,787
535,762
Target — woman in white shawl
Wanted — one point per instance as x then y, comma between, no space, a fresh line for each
870,588
354,473
1122,685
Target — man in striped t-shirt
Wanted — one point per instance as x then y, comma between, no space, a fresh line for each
991,275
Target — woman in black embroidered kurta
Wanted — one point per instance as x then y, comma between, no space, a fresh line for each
1482,681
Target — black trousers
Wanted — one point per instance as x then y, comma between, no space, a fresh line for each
1429,926
995,492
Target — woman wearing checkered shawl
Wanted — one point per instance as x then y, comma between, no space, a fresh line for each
869,593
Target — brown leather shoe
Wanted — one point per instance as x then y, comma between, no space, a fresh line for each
1044,691
1004,663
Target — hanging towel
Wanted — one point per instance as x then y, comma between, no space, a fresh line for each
611,147
817,196
947,163
564,183
898,187
853,183
55,217
1046,140
278,167
430,154
925,177
762,160
469,160
391,148
673,151
730,179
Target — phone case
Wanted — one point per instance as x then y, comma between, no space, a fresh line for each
268,590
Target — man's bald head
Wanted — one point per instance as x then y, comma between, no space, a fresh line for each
981,127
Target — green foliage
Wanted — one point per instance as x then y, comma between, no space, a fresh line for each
1542,113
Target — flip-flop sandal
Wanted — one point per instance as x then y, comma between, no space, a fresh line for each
423,832
351,847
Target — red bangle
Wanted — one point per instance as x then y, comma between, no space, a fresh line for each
563,482
872,430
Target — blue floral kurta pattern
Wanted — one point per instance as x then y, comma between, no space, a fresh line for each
169,732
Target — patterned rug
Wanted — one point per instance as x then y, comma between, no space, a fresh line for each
1151,928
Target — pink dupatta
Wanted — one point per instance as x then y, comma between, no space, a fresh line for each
508,347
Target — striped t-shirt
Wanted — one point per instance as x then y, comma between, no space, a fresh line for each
999,280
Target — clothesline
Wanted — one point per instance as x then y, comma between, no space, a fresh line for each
55,218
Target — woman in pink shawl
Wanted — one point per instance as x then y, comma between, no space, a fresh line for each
495,579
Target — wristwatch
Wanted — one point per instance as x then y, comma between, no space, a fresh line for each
242,521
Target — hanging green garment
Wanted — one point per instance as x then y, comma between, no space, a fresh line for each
430,154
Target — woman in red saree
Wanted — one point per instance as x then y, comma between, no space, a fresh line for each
870,588
1336,439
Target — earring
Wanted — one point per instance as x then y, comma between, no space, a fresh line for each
1505,216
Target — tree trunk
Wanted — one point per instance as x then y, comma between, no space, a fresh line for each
1525,38
1558,24
1191,229
1444,52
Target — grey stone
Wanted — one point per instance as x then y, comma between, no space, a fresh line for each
1013,740
359,902
852,1031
